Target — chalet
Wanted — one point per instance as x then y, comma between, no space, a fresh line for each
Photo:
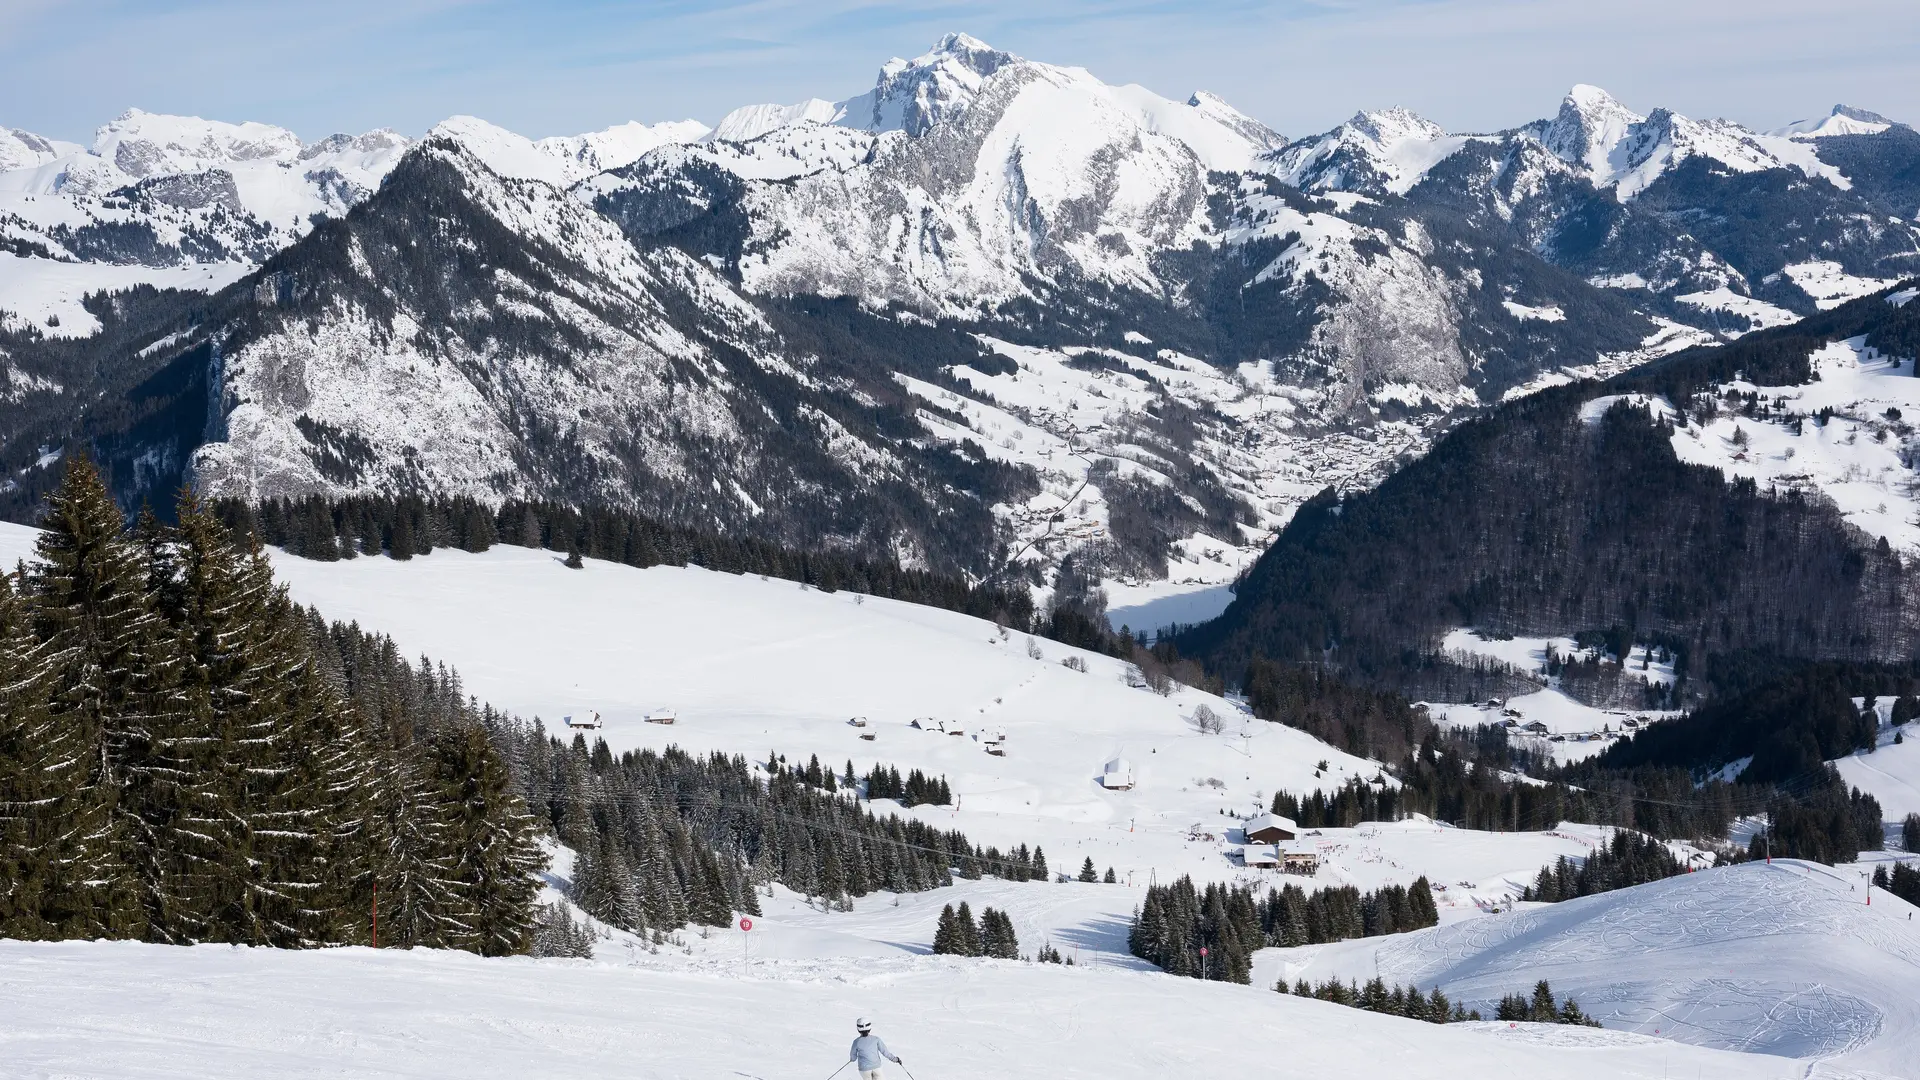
994,740
1270,829
1299,857
869,735
1117,775
585,719
1537,728
662,716
1260,858
924,723
858,721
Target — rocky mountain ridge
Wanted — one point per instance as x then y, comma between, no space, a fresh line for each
989,309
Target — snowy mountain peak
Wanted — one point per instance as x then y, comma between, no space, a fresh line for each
1843,120
1387,150
507,154
1588,127
143,144
914,95
750,122
25,150
1392,125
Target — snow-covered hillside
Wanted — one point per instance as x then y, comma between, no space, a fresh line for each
1784,959
91,1009
755,666
1845,434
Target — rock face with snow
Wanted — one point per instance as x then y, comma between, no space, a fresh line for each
1721,221
169,191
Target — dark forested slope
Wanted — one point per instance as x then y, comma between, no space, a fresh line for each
1544,518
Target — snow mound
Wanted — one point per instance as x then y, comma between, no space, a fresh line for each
1784,959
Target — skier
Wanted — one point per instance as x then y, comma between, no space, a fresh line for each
867,1051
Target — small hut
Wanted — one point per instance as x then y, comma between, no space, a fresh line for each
858,721
1117,775
1259,857
662,716
1270,829
584,719
1299,857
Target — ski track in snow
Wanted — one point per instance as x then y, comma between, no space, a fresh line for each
134,1011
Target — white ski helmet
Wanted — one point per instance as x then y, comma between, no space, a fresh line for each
863,1025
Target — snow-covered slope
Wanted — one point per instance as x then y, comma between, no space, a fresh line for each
1844,435
1784,959
90,1009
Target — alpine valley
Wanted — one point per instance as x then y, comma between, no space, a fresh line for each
986,315
628,604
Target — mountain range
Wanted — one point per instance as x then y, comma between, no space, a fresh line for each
989,314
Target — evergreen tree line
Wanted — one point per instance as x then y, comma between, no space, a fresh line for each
1825,822
1903,881
1230,922
1377,996
185,755
1628,859
403,527
665,838
1472,779
958,935
1788,716
1542,1009
883,782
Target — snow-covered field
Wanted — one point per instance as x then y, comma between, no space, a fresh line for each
1782,959
144,1011
1891,771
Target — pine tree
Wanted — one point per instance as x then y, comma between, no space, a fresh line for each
966,930
498,853
1087,872
104,644
270,741
54,826
1109,878
946,936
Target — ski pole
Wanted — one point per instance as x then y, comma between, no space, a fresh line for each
903,1068
843,1065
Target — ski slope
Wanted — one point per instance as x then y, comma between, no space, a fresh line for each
91,1009
1784,959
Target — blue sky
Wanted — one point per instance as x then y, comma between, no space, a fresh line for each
565,66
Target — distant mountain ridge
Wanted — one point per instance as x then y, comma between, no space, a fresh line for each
1031,314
